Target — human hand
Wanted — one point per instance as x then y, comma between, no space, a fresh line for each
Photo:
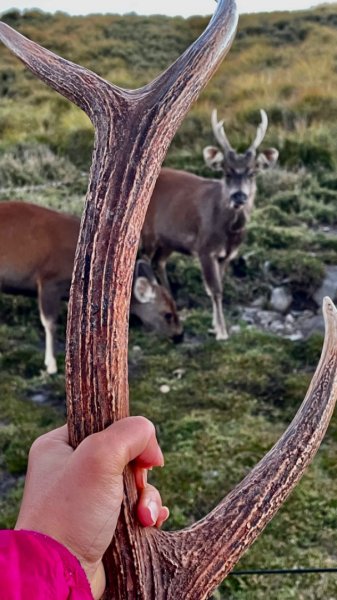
75,496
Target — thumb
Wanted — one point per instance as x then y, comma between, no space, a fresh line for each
130,439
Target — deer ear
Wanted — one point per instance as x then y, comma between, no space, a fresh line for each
143,290
213,158
144,269
267,159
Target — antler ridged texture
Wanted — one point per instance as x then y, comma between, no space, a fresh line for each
132,132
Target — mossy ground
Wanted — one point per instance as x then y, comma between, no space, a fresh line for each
227,404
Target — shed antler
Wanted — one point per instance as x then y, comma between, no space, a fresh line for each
132,132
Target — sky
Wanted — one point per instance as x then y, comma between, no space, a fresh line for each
146,7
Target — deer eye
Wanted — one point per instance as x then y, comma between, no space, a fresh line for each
230,173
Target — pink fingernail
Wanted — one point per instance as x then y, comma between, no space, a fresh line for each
153,508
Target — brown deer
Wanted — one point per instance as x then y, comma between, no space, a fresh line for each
37,251
133,131
206,217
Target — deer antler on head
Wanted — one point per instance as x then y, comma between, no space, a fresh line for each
221,137
261,132
219,132
133,131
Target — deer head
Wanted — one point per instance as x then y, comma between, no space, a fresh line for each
153,304
239,170
133,130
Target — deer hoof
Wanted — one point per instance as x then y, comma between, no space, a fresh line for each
52,369
222,336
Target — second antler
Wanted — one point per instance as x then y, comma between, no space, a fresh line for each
133,130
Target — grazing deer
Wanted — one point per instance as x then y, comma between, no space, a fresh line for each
133,130
206,217
37,250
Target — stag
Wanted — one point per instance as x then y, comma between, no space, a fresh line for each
37,251
133,131
206,217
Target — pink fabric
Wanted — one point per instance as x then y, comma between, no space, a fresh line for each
36,567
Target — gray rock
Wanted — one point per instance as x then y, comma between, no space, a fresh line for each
312,325
295,337
328,287
280,299
259,302
267,317
290,319
277,327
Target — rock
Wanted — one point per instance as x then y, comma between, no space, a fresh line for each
249,315
280,299
259,302
136,349
277,327
267,317
235,329
328,287
313,325
304,317
39,397
165,389
295,337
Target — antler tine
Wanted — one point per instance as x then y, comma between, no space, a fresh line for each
67,78
219,132
220,539
261,131
167,92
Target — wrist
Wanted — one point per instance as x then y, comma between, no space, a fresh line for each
96,576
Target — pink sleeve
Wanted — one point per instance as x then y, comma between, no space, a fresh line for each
33,565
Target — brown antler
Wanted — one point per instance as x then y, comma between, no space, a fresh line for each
132,133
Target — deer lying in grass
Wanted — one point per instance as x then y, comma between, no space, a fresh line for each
37,251
206,217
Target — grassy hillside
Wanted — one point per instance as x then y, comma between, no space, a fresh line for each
214,424
283,62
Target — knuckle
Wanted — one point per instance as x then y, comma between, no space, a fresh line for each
39,446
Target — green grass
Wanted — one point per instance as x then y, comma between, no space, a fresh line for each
213,425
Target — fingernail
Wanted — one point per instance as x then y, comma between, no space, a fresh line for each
163,516
154,512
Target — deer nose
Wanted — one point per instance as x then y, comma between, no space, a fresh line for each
239,198
177,339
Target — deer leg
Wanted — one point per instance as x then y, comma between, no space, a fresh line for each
49,306
159,262
213,285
